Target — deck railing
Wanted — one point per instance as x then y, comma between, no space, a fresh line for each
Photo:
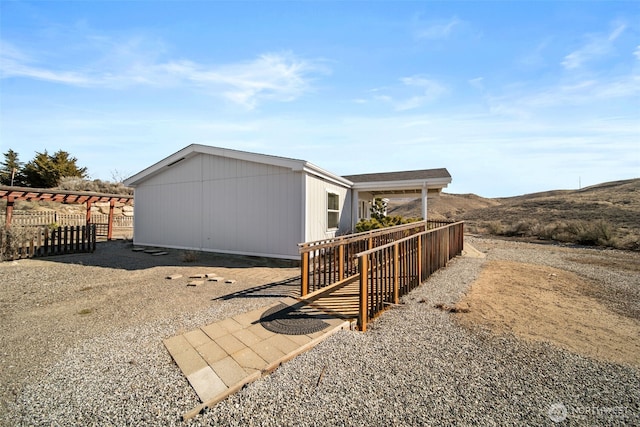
328,261
43,241
390,271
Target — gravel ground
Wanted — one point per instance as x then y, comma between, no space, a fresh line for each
414,366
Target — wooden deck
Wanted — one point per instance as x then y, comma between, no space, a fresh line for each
342,302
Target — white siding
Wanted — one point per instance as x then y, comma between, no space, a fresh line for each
223,205
316,208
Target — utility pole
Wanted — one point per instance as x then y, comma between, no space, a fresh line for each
13,175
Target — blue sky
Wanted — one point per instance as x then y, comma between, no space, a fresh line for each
511,97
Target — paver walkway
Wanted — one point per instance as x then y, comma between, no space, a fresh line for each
220,358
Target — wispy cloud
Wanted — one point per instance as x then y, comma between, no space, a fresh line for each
280,76
435,30
597,46
412,92
636,52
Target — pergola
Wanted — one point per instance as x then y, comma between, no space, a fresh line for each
13,194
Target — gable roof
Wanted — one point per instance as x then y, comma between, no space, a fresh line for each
195,149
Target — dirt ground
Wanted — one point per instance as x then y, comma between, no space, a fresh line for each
542,303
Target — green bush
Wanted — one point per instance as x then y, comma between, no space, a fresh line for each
383,222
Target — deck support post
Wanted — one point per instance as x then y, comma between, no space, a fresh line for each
363,306
304,279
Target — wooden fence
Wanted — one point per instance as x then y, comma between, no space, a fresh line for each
26,219
29,242
329,261
390,271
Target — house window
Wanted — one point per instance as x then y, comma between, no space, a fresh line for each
333,210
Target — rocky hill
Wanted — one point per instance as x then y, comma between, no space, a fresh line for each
606,214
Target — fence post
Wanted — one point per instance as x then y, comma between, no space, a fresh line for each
363,312
304,287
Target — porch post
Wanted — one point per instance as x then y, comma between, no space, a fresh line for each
112,205
9,211
425,191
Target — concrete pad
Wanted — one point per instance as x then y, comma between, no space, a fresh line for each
197,338
231,325
471,252
197,276
249,360
176,344
230,281
282,343
189,361
229,371
174,276
247,337
210,275
216,279
229,343
214,330
206,383
267,351
160,253
211,352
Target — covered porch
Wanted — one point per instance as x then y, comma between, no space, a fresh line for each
367,187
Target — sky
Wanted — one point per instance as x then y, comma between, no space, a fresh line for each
512,97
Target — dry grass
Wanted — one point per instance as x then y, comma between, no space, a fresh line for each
602,215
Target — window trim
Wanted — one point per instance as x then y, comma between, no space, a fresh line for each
332,211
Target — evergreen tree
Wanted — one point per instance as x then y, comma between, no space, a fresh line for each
11,169
46,171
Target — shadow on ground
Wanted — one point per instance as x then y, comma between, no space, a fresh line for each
119,254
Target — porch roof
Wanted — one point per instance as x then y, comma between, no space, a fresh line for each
402,182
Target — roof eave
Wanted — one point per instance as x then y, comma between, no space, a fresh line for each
402,185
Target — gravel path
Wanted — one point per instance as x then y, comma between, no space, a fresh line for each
414,366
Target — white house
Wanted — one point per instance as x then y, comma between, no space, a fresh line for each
220,200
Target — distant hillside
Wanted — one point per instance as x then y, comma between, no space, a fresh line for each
605,214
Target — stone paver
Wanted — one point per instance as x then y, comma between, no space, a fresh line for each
230,344
207,383
218,359
229,371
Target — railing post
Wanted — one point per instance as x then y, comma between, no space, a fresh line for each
420,259
304,286
363,311
341,262
396,274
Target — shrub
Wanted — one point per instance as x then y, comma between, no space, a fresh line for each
11,240
189,256
387,221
